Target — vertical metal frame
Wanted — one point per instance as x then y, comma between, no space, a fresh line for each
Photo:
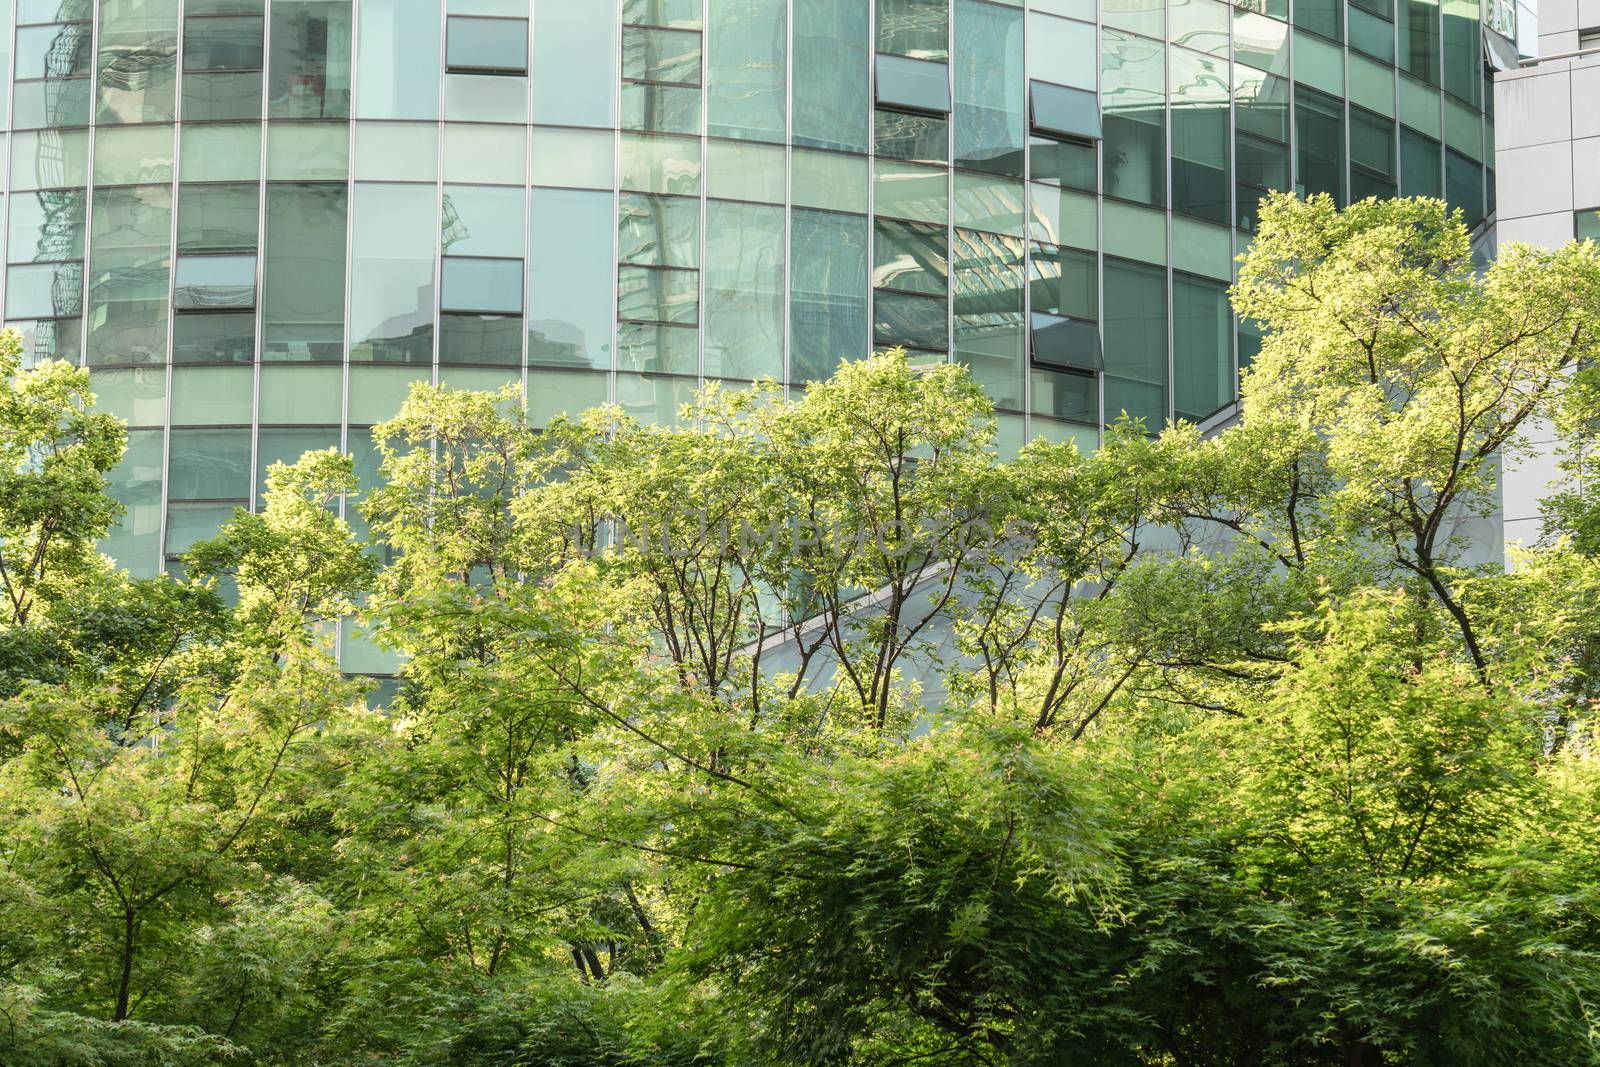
257,362
705,132
10,74
438,187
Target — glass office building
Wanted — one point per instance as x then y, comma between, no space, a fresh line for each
259,221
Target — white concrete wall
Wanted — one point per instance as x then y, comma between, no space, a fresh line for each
1547,167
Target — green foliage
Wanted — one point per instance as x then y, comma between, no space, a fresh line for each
810,730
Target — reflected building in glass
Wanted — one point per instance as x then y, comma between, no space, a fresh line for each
259,221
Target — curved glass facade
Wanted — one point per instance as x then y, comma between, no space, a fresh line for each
259,221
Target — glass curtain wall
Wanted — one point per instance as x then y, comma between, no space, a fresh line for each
258,223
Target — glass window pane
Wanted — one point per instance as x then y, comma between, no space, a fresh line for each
212,396
286,445
1135,150
1463,185
660,108
1060,51
744,290
1069,112
909,191
1202,348
1200,95
482,339
1074,164
828,310
51,104
488,285
138,61
391,277
128,274
62,51
46,225
48,291
302,288
44,339
1419,39
989,203
577,159
916,28
913,84
574,63
661,231
1136,342
479,152
497,97
209,465
49,159
1064,283
1139,16
310,64
188,524
654,294
552,393
652,399
657,349
745,171
497,45
669,57
831,74
1319,129
218,218
914,137
1420,165
1058,341
1372,86
1201,25
225,152
376,392
136,394
214,281
1463,51
829,181
653,164
990,88
1135,232
308,151
1059,216
1260,42
136,484
1587,225
910,257
1372,35
570,278
1320,16
214,337
221,96
397,151
482,220
223,43
1074,397
746,69
398,60
910,320
989,306
127,156
680,14
1372,155
301,394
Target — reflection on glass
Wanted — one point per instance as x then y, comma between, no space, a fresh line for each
395,232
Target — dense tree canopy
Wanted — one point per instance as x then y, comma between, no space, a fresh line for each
811,729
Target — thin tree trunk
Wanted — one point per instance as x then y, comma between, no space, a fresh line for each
125,982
